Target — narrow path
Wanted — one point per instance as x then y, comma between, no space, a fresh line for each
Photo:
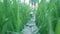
30,27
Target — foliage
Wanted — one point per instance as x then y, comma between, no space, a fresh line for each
48,17
13,16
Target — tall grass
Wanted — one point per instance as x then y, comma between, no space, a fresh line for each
48,17
14,15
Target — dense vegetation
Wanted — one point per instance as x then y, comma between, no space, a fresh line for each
14,15
48,17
